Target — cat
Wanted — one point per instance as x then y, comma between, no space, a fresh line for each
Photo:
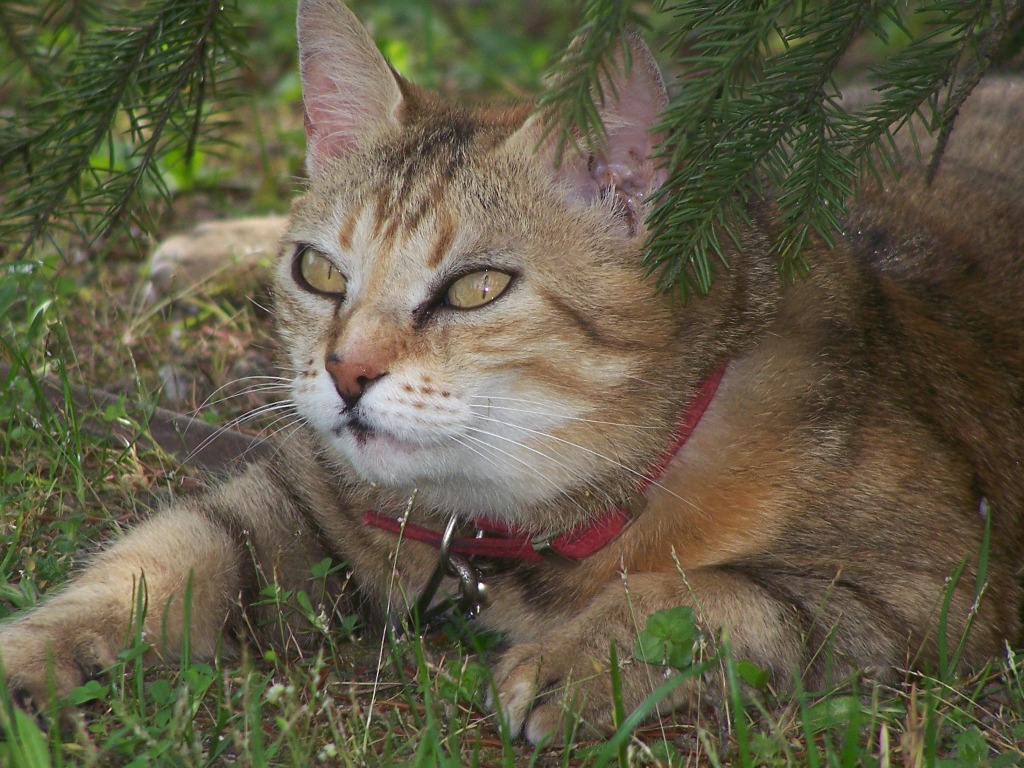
472,344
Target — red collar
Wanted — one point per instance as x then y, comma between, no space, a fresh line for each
498,541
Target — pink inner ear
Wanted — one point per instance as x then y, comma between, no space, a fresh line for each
330,127
625,167
348,88
335,119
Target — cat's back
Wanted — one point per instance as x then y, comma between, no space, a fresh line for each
963,229
947,259
953,244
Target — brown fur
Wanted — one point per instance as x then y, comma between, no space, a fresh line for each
816,513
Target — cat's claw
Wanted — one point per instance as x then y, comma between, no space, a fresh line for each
542,686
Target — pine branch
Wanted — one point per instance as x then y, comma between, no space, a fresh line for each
36,37
768,121
977,47
756,112
571,104
12,21
813,152
151,72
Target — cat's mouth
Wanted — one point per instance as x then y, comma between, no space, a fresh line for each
383,449
366,435
360,430
357,427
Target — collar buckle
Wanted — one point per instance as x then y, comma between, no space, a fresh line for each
472,592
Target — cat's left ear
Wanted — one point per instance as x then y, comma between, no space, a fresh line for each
348,89
631,99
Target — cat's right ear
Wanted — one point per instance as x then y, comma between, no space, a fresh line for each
626,167
349,91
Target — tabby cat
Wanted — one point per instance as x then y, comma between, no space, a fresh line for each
471,340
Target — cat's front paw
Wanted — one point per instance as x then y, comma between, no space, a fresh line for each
566,679
45,663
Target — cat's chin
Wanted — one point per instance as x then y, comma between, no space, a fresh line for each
442,477
380,457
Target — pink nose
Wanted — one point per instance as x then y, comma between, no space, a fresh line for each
352,379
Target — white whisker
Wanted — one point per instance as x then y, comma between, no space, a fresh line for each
558,488
279,442
262,410
273,436
283,405
267,384
491,406
268,310
572,471
273,433
251,390
614,462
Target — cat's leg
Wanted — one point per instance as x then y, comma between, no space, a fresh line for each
232,253
567,669
220,548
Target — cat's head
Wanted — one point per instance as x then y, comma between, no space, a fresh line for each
460,315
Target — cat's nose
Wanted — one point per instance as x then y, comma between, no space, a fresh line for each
352,379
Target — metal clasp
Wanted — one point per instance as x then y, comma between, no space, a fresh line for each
472,597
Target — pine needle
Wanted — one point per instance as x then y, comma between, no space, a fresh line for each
134,88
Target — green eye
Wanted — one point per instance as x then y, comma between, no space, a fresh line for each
318,273
477,288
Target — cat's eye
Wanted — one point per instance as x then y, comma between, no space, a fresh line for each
319,274
477,288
